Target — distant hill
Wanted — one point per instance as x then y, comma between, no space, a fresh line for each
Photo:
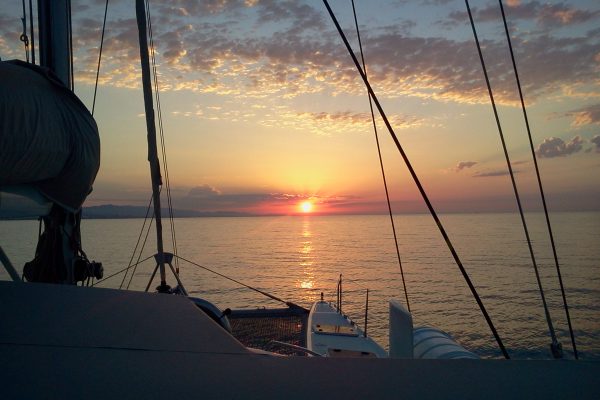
112,211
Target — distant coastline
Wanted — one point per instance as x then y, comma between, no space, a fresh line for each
110,211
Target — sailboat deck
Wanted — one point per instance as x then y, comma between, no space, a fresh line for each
71,342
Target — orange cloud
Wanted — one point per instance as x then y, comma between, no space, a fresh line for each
586,115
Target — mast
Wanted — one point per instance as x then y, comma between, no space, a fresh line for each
54,19
140,11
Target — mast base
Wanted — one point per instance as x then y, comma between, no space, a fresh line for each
163,288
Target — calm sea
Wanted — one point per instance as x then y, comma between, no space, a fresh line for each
297,258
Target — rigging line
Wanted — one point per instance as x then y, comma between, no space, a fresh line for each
99,56
387,194
236,281
23,38
138,241
32,33
162,139
141,250
122,270
417,182
555,346
162,136
539,179
355,282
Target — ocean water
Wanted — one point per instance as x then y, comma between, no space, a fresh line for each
297,258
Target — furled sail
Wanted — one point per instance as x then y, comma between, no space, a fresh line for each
48,138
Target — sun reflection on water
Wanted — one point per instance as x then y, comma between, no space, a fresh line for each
306,285
306,258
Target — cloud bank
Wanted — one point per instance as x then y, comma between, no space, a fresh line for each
254,49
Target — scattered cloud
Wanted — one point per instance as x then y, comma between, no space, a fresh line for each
343,122
494,173
596,142
556,147
544,14
302,16
203,191
585,115
520,162
258,49
464,164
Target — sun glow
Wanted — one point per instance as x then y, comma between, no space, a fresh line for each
306,206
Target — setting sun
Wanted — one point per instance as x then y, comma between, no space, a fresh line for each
306,206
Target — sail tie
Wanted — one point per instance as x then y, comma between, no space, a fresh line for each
32,32
24,38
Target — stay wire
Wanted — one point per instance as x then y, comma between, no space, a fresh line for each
417,182
122,270
99,56
138,241
141,250
387,194
162,135
140,253
273,297
537,172
555,343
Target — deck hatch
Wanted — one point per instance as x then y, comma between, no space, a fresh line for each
338,330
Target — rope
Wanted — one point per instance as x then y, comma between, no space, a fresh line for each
555,343
138,241
236,281
537,172
387,194
122,270
418,183
99,56
162,136
23,38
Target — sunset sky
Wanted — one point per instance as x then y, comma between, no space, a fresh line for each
263,108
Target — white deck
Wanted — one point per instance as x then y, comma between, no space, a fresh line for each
72,343
330,332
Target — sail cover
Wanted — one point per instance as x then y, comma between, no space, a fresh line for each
48,138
